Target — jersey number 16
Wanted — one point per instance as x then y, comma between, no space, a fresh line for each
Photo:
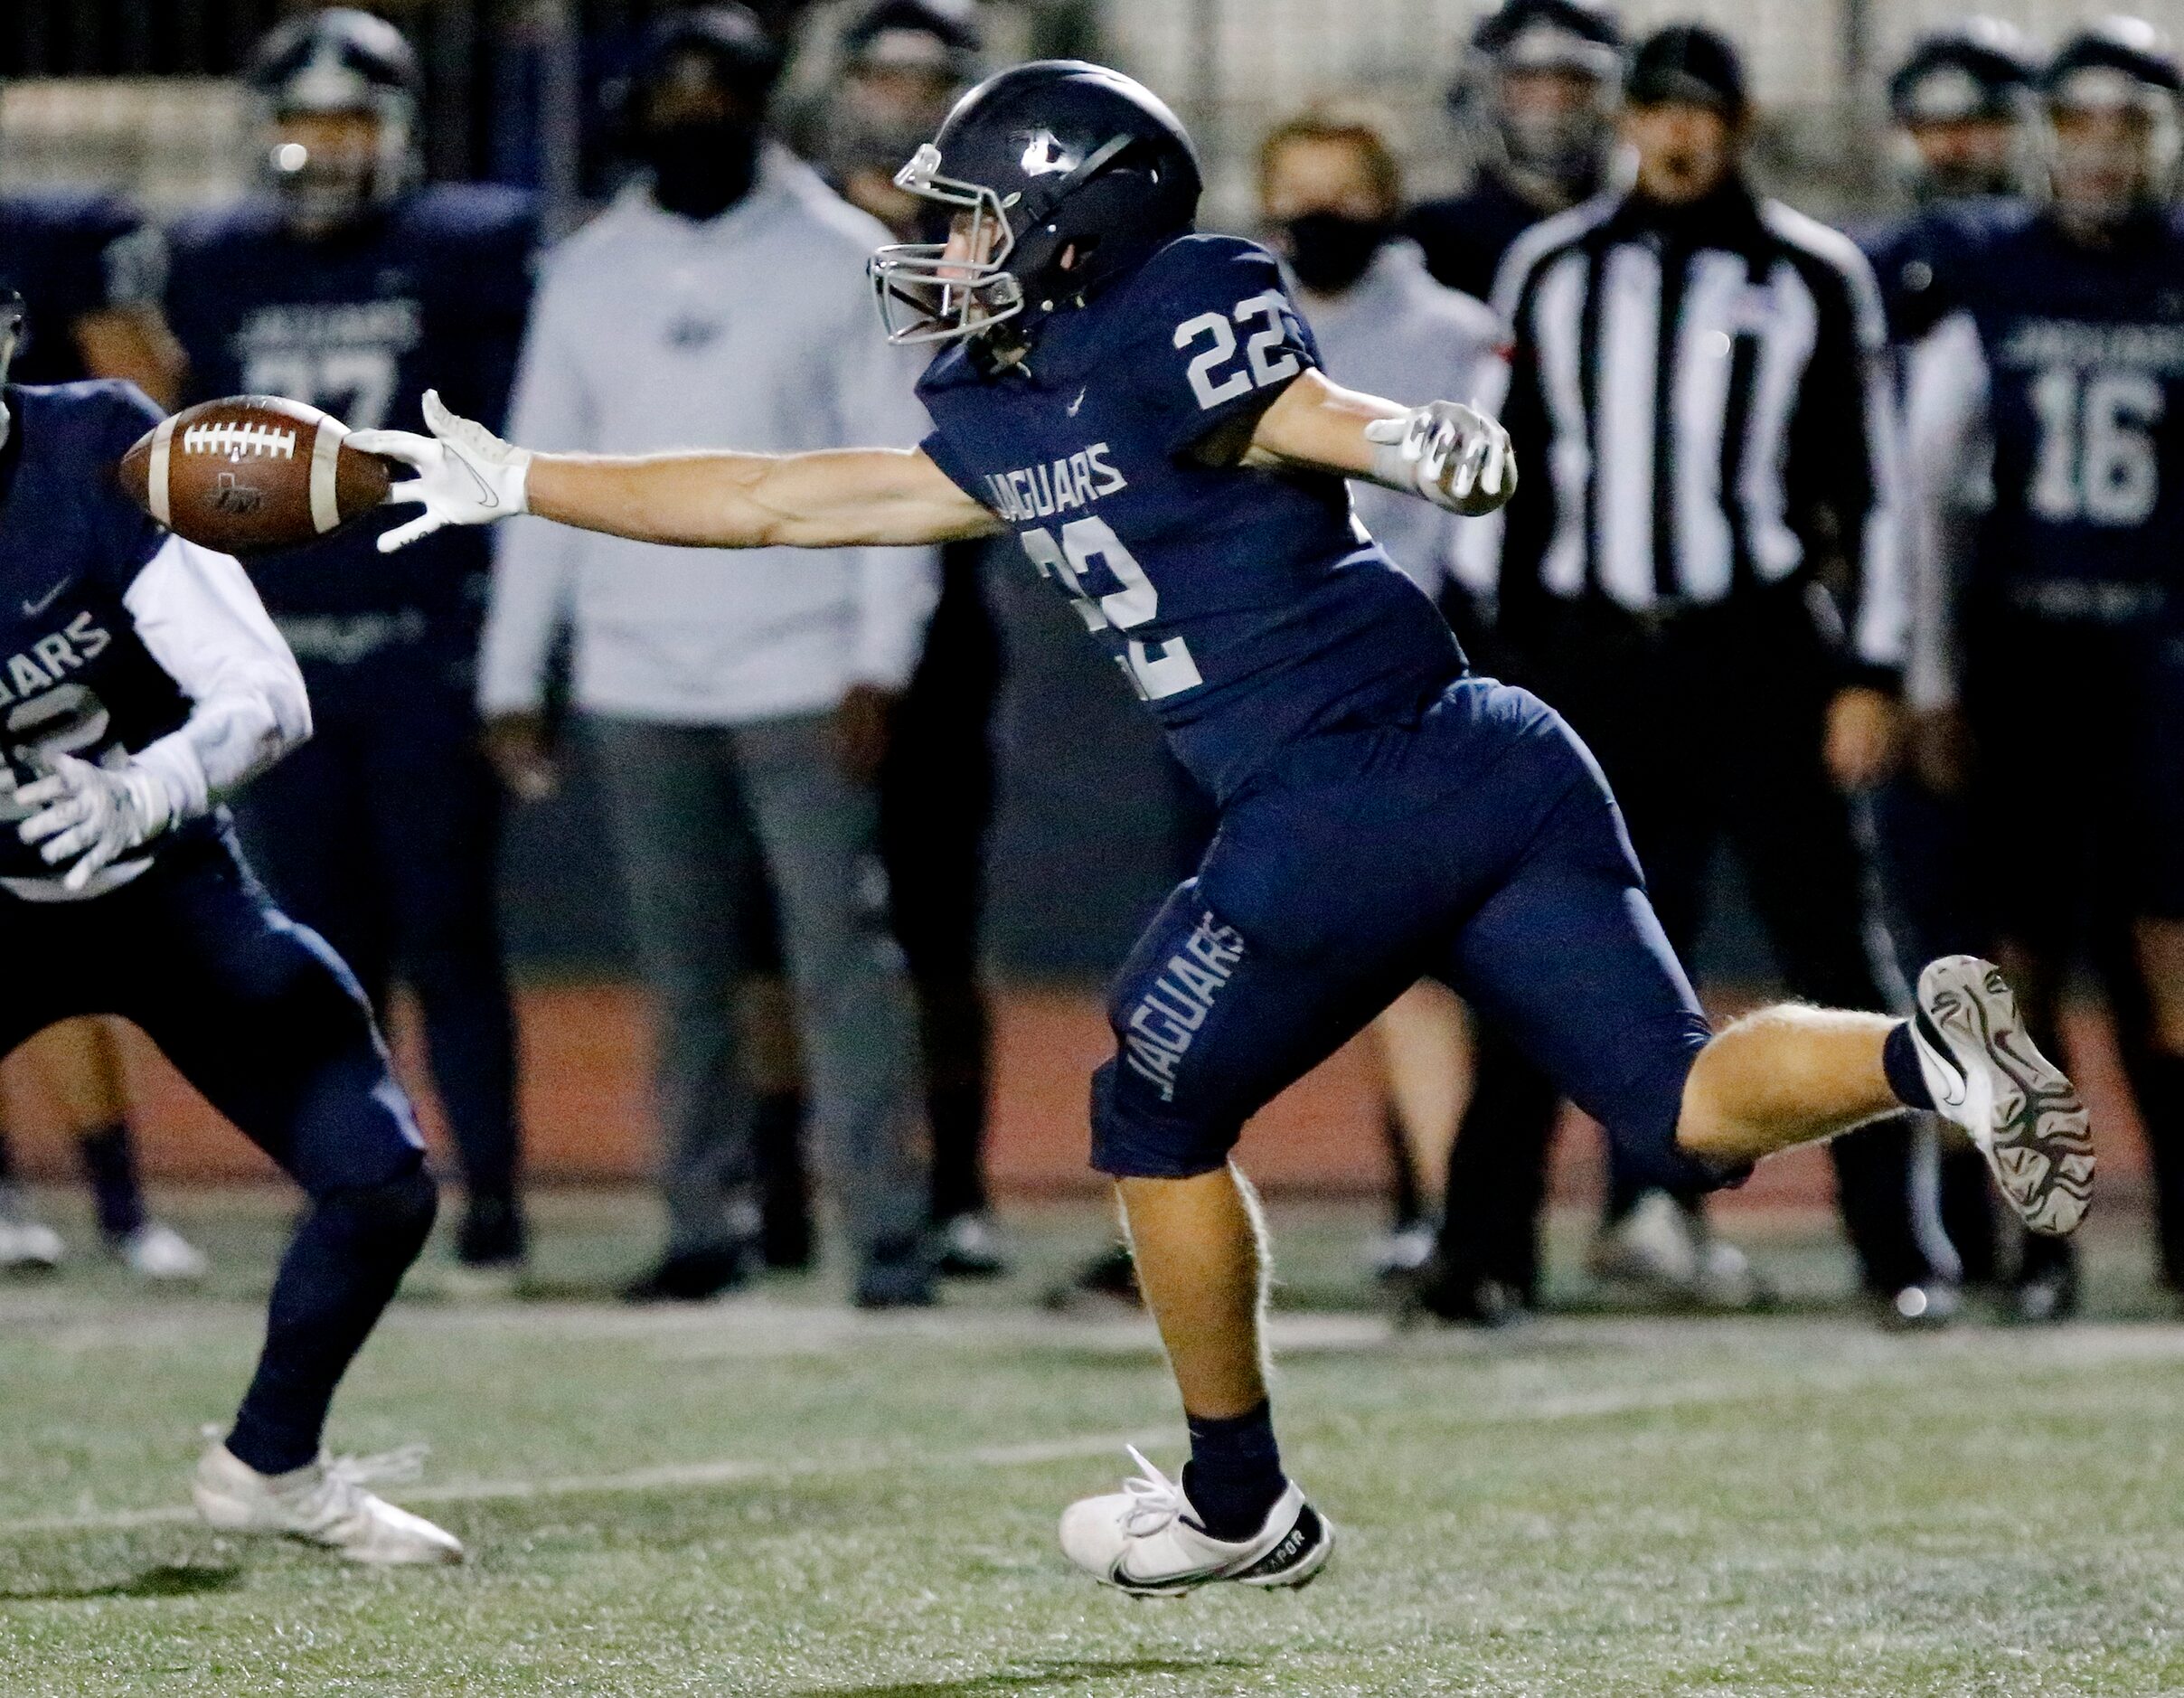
2097,461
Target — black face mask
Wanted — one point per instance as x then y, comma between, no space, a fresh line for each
700,170
1329,252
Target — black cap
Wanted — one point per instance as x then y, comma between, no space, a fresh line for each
1690,65
741,56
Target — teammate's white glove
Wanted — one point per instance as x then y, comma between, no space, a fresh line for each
1452,455
93,816
464,474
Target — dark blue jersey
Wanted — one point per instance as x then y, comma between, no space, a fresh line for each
1248,607
2083,356
74,676
432,292
1912,258
70,256
1466,236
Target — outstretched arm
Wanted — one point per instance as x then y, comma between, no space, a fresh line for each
1452,455
835,498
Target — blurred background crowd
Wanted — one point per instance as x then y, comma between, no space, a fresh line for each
576,766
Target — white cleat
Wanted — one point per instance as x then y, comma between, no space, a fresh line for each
1987,1077
158,1252
324,1503
1142,1540
27,1244
1652,1247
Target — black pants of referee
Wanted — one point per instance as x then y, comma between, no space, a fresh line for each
1709,724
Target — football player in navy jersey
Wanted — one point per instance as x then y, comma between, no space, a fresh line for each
1142,408
87,269
1538,96
1962,102
2057,383
140,683
340,286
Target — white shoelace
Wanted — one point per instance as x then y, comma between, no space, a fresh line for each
384,1467
1155,1500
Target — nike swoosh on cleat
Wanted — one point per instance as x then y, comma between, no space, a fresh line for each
1932,1035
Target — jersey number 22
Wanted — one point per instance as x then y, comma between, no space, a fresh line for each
1084,541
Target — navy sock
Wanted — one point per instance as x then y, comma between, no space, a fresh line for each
1899,1061
1235,1472
340,1273
111,1164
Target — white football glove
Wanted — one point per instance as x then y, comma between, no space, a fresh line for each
1452,455
464,474
93,816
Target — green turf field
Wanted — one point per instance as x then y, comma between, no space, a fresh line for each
769,1496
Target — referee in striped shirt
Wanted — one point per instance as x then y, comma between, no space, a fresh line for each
1700,573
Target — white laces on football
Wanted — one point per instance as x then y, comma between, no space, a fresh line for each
1155,1500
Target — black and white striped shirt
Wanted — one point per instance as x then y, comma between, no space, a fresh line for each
1698,399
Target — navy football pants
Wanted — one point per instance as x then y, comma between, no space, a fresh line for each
1478,846
262,1018
383,834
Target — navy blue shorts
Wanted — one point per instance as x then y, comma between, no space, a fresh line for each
252,1009
1479,846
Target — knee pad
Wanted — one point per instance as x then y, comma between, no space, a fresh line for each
1136,1136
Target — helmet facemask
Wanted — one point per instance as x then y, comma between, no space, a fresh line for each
322,189
2114,143
935,292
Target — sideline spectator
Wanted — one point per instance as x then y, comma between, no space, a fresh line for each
1330,191
732,705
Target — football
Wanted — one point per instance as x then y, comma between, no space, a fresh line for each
253,473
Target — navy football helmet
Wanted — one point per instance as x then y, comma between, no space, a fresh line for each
339,61
1978,68
1962,104
1061,177
1562,141
2122,66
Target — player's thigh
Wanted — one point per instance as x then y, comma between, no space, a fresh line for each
1210,1028
1567,959
259,1013
683,836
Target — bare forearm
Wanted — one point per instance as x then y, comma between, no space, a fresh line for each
829,498
1318,423
712,500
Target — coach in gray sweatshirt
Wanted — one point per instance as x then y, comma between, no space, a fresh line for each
733,701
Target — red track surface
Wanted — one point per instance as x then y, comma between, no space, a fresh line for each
587,1107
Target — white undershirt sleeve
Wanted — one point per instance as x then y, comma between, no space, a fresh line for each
1946,398
200,618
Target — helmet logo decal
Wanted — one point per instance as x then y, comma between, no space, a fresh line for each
1045,156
